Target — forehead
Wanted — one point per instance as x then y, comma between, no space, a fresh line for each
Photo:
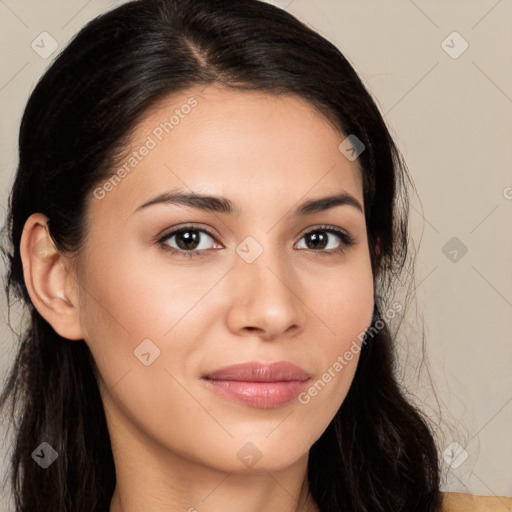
250,145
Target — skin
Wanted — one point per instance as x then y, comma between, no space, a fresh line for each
175,442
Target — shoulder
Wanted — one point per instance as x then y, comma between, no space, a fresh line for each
459,502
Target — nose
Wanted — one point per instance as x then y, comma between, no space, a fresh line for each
265,298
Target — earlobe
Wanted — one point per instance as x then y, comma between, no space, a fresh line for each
50,284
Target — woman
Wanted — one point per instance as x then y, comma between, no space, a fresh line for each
208,221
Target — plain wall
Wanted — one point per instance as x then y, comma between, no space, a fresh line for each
451,116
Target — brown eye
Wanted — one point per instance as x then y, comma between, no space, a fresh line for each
317,240
189,241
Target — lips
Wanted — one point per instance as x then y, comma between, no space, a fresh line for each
261,372
260,385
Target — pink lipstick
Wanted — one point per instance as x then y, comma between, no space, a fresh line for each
260,385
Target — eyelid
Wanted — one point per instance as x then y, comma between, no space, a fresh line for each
328,228
172,230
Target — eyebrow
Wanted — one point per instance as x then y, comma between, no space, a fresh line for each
223,205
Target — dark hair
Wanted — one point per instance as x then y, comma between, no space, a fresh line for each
378,454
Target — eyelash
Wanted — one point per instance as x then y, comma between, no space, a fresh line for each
346,241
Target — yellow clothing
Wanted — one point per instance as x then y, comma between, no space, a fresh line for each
459,502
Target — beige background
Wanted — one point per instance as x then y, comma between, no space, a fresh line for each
452,119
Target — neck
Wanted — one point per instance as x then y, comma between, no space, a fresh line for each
197,489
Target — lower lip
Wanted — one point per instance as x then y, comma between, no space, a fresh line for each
262,395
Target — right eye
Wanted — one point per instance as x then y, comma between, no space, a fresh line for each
188,240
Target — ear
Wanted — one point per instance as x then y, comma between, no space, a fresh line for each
50,282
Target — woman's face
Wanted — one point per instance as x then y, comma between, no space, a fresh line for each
161,311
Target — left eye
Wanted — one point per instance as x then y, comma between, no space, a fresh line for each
318,238
189,243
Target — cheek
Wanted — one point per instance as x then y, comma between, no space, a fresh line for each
121,307
345,305
344,300
135,297
127,313
129,299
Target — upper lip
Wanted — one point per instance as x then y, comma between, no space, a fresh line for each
261,372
